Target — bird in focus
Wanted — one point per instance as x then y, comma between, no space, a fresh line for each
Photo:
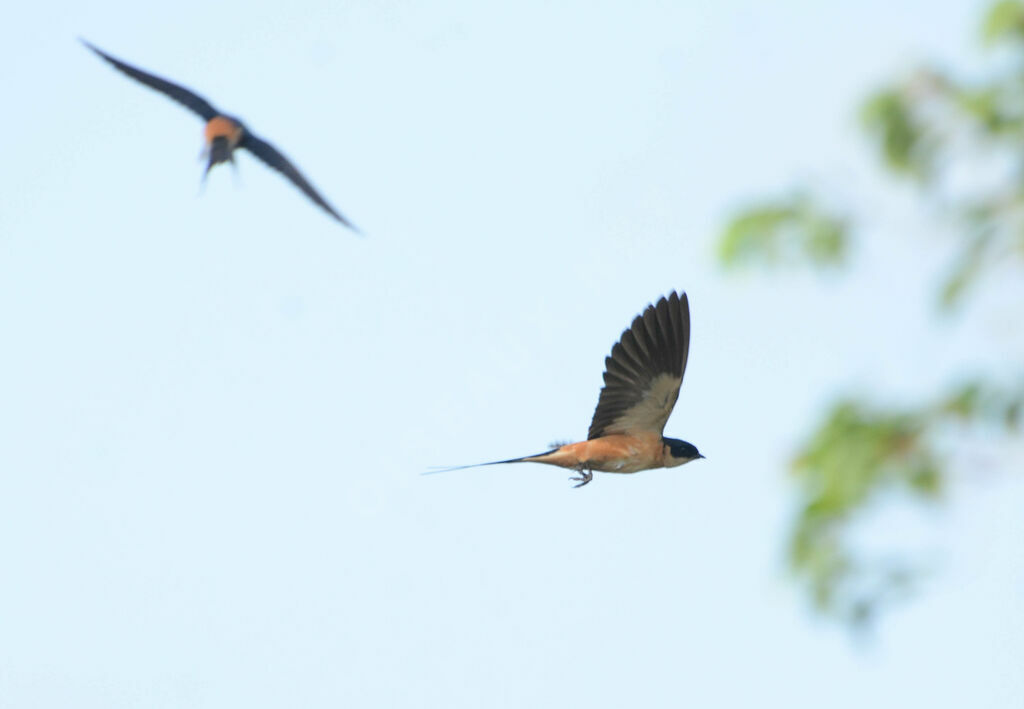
641,384
224,134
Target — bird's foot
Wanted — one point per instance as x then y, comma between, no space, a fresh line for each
584,477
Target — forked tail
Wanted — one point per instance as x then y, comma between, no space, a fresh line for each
218,151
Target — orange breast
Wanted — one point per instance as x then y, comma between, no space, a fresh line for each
618,453
223,127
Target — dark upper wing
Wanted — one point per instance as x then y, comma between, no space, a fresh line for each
643,374
273,157
178,93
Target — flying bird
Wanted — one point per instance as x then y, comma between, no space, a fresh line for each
641,384
224,134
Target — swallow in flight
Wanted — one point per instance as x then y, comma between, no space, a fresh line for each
641,383
224,133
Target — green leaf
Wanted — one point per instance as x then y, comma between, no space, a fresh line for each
967,269
1005,21
790,230
964,402
926,480
985,106
889,120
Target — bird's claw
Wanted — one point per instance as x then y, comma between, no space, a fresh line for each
584,477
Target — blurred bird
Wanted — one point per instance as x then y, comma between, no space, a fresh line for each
641,384
224,133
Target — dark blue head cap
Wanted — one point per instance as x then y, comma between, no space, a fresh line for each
681,450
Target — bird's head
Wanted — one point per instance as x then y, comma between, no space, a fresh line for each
679,452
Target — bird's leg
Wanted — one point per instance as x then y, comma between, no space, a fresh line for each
584,476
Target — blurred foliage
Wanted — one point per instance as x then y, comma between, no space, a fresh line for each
785,231
931,129
860,453
1005,22
902,138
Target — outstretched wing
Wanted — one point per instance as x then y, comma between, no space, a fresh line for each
273,157
178,93
643,374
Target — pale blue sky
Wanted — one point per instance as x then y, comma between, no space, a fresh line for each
216,408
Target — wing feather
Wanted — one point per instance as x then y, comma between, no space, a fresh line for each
187,98
644,371
273,157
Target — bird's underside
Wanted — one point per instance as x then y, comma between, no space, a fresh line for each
608,454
